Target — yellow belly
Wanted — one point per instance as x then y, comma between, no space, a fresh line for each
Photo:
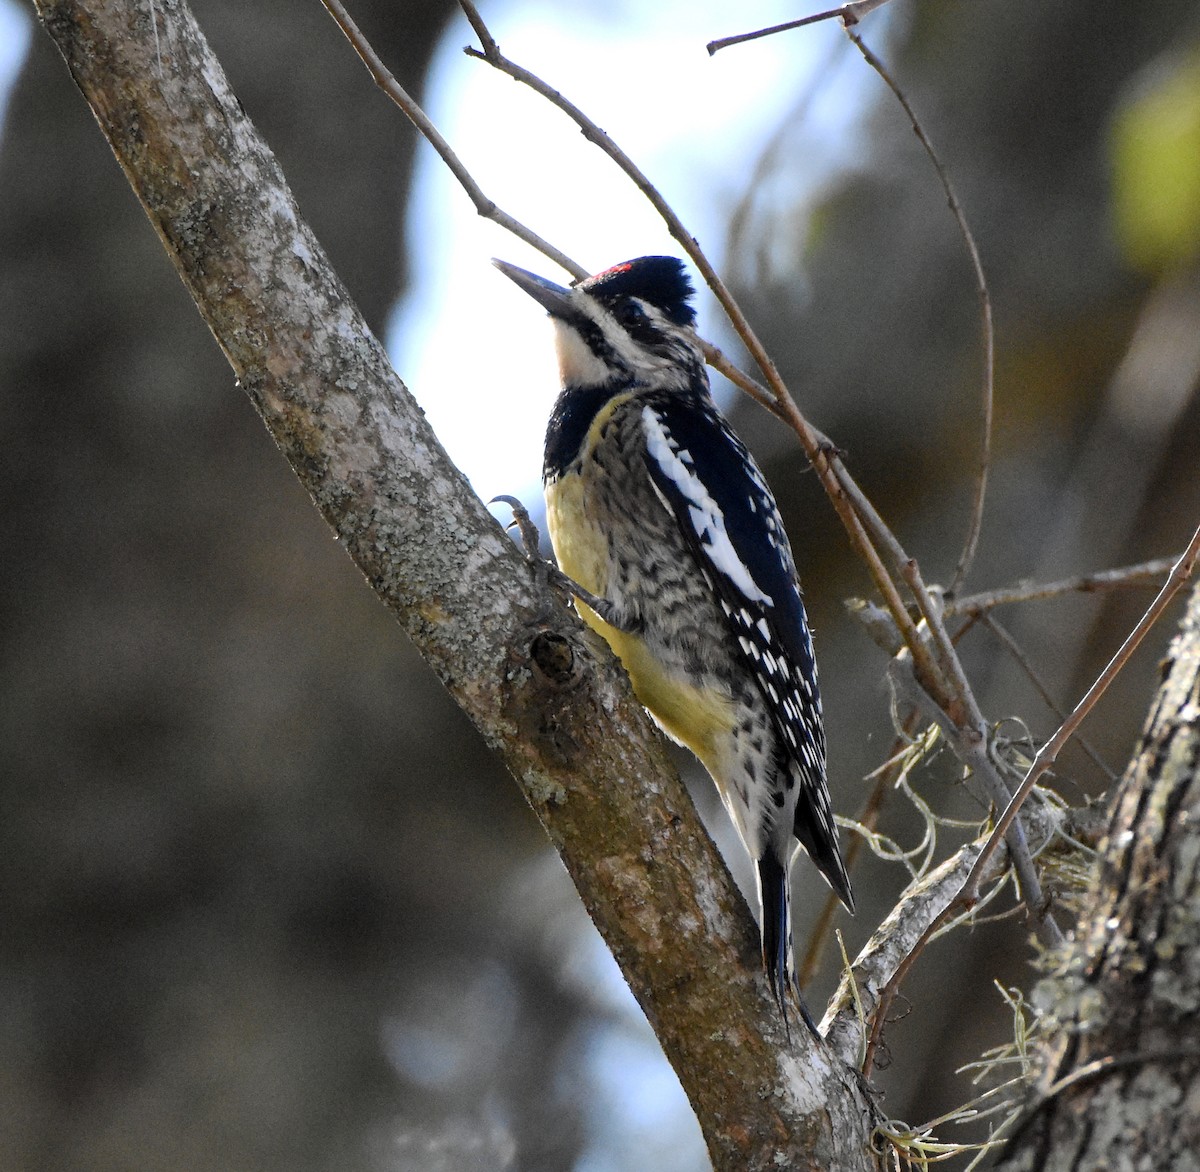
698,719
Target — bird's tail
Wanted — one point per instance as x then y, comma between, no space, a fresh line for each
819,838
777,954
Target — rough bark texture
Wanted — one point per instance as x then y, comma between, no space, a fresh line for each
1120,1088
543,694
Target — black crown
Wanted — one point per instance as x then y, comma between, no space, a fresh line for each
661,281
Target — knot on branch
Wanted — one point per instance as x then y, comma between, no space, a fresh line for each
827,448
549,669
554,658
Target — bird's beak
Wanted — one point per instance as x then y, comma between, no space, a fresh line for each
554,299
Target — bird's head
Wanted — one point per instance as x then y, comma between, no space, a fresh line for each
632,323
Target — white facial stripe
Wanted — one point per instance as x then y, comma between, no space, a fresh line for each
704,513
577,365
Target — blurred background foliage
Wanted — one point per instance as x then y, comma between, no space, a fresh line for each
267,902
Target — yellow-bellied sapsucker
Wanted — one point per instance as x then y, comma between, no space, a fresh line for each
657,510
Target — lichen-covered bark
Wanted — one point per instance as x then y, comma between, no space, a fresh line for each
542,692
1121,1081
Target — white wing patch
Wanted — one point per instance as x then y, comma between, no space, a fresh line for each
704,513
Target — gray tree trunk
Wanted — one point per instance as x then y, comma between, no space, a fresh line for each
1120,1086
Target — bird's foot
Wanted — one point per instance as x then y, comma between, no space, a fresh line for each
547,573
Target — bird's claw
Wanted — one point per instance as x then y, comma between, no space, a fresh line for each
531,541
530,537
548,573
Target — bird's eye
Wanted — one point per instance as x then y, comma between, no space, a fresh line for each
630,314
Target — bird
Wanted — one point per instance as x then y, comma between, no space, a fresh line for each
671,542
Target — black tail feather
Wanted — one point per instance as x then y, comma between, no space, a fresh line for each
777,937
823,849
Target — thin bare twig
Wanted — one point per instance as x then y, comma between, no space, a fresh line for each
985,315
944,649
740,379
848,13
925,668
1144,574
